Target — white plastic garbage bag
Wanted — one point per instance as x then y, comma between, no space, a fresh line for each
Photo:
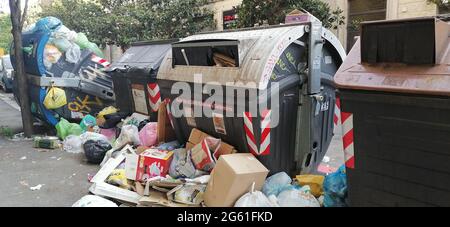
254,199
277,183
92,136
94,201
128,135
73,54
297,198
73,144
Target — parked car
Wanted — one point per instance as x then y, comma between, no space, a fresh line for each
6,73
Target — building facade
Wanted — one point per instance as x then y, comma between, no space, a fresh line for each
224,12
355,12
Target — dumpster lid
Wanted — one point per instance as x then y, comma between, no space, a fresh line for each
394,76
259,49
144,54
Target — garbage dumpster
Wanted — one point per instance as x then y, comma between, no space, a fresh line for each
134,75
395,93
291,126
52,60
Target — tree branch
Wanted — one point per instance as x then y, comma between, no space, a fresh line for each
24,15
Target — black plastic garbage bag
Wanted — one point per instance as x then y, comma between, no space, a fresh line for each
95,150
113,119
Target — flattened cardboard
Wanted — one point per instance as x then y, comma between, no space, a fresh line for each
165,131
198,136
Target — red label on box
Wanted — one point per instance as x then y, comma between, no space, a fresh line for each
153,163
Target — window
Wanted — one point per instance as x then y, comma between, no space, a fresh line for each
360,11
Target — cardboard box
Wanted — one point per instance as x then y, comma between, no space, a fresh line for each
150,163
232,177
198,136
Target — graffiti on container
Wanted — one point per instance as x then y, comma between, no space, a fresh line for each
85,105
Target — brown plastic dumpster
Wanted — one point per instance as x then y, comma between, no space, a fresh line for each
395,84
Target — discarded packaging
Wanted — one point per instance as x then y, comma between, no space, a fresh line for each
55,98
92,136
48,142
158,199
335,189
94,201
73,144
202,154
148,134
64,129
37,187
190,194
315,182
88,123
297,198
119,179
106,111
149,164
232,178
95,150
182,166
128,135
254,199
101,188
198,136
277,183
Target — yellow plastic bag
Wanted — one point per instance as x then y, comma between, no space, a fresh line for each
56,98
118,178
315,182
106,111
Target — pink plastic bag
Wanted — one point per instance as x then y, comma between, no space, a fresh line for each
109,133
148,135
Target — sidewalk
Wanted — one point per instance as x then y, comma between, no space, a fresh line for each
9,113
64,176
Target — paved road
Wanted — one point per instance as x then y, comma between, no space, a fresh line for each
63,175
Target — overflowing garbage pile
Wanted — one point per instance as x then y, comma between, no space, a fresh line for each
66,72
62,42
141,166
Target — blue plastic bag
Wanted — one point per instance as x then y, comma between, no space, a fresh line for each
47,24
335,189
277,183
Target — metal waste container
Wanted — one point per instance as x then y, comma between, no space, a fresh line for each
134,77
277,98
395,93
88,88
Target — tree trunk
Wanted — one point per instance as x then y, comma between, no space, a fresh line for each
17,23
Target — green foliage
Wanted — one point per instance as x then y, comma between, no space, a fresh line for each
122,22
6,132
444,5
253,12
5,32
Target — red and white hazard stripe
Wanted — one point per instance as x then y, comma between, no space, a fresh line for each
337,112
249,133
154,94
265,133
105,63
348,139
264,148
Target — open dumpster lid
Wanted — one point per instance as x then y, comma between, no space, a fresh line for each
394,65
258,51
144,54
